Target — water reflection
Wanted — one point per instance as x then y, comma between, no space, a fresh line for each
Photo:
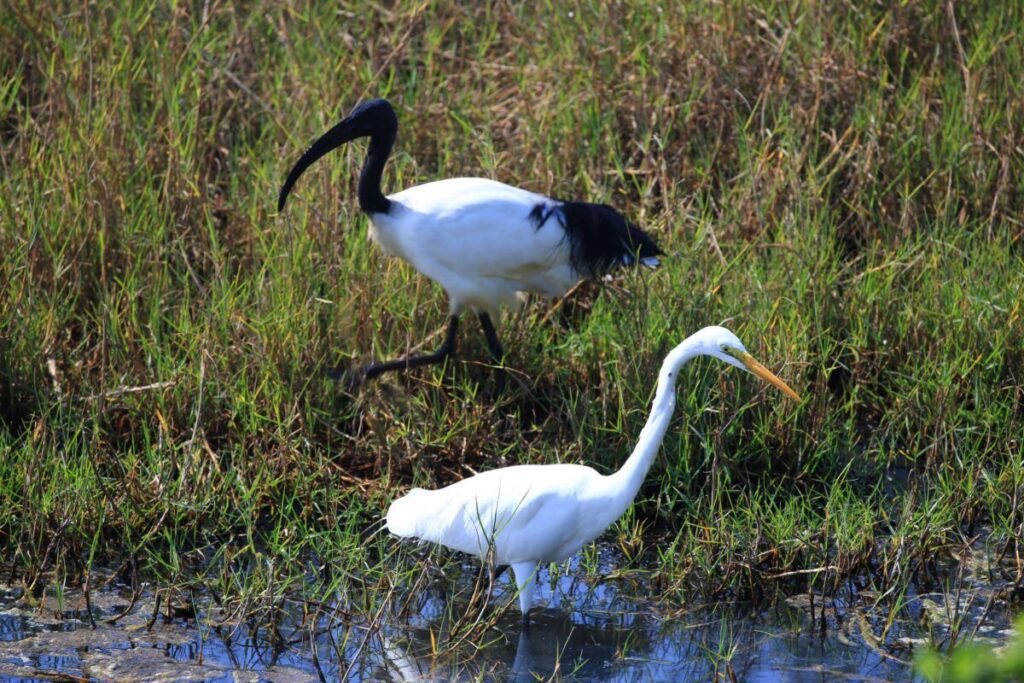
14,627
582,629
703,645
552,645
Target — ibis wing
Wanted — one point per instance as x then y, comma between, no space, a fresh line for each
479,237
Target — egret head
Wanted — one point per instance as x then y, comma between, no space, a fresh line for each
726,346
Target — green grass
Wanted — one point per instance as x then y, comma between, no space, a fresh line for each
840,184
975,663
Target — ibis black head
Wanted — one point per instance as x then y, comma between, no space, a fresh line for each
374,119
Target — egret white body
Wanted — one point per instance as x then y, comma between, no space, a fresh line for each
483,241
531,514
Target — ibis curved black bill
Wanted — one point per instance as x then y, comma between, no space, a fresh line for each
375,119
332,139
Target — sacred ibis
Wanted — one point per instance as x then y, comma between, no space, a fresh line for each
481,240
532,514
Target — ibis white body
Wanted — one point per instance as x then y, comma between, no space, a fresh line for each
475,238
482,241
531,514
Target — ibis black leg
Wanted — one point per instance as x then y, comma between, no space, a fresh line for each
446,349
497,353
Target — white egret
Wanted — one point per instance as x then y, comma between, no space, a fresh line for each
529,514
484,242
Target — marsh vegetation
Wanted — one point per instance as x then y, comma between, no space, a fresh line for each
840,183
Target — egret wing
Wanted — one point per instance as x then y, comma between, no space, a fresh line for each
523,512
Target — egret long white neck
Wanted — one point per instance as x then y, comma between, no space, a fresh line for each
628,479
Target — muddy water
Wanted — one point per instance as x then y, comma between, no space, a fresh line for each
610,631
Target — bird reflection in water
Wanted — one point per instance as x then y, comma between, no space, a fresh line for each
554,645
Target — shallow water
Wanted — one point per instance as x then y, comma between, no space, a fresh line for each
609,631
